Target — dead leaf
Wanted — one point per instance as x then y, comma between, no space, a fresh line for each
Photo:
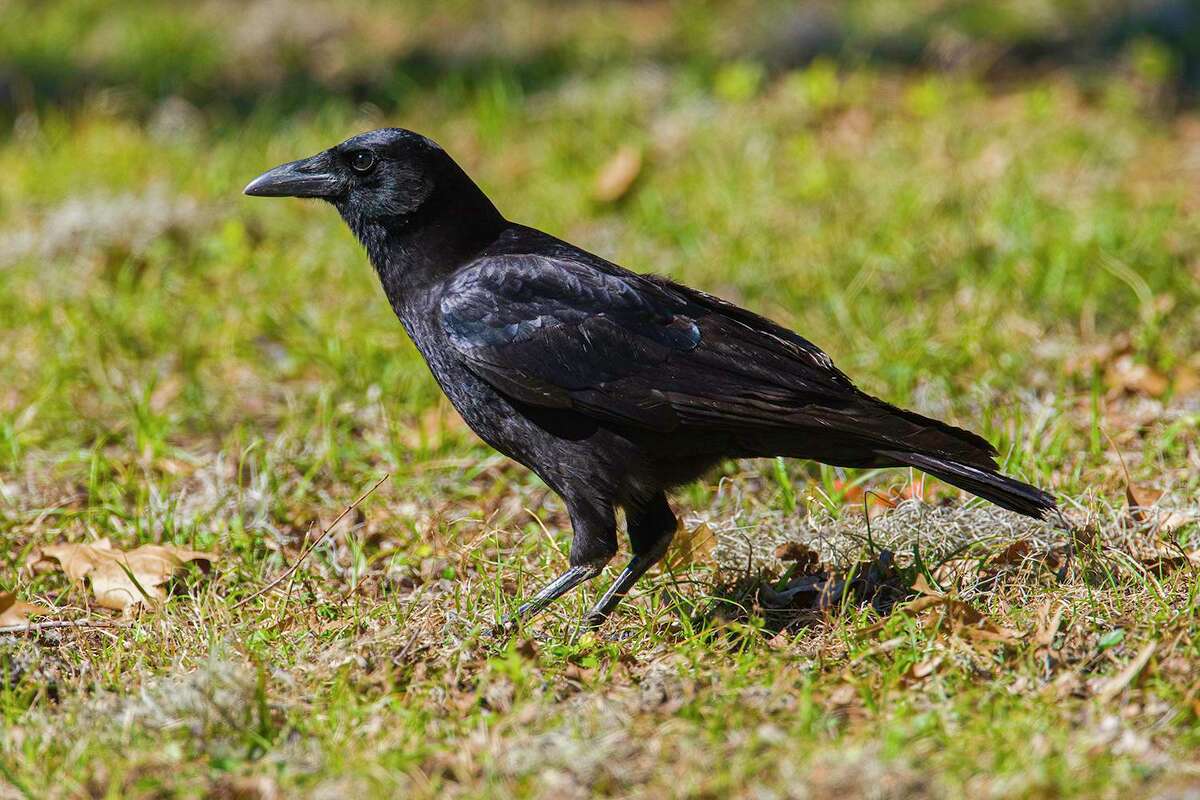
1187,380
693,546
852,493
956,617
578,674
15,612
1163,561
921,670
618,174
121,580
779,641
1143,510
1125,375
1140,500
527,648
921,586
1015,553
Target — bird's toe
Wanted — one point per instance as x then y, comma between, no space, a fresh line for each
593,620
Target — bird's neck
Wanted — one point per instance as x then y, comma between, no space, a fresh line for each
413,252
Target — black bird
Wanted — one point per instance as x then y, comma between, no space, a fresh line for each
612,386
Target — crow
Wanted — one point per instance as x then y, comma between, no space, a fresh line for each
612,386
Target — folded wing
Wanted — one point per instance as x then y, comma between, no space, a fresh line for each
644,352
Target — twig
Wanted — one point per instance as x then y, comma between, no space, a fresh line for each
350,593
34,627
320,538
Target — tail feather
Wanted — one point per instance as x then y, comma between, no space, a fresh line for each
990,485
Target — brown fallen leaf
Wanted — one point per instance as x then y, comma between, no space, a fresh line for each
1125,375
1015,553
693,546
1143,509
1187,380
1140,500
779,640
853,495
579,674
119,579
1163,561
618,174
15,612
921,670
527,648
956,617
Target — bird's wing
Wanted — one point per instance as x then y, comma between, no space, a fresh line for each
622,347
561,334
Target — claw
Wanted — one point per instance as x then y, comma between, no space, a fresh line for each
592,621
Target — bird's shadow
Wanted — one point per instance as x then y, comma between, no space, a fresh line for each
806,595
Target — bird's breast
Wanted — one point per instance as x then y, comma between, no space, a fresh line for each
487,412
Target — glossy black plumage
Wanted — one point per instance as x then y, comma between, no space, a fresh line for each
612,386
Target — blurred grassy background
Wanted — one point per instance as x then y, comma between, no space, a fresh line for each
986,211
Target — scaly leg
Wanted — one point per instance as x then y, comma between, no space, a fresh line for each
594,544
557,588
651,529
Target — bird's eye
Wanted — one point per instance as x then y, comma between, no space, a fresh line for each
362,161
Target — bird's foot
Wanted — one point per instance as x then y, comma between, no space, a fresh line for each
592,620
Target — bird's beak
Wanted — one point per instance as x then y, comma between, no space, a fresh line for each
308,177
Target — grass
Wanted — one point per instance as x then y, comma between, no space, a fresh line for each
179,364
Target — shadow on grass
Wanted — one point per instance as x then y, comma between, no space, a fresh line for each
983,38
807,595
970,37
42,83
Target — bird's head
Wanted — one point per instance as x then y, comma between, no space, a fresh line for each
385,173
400,193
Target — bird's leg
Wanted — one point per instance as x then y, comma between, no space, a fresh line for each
593,546
651,529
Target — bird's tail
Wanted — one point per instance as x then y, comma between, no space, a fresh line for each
989,484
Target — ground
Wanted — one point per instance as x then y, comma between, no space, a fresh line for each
1015,250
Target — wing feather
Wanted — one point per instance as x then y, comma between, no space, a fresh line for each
641,351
